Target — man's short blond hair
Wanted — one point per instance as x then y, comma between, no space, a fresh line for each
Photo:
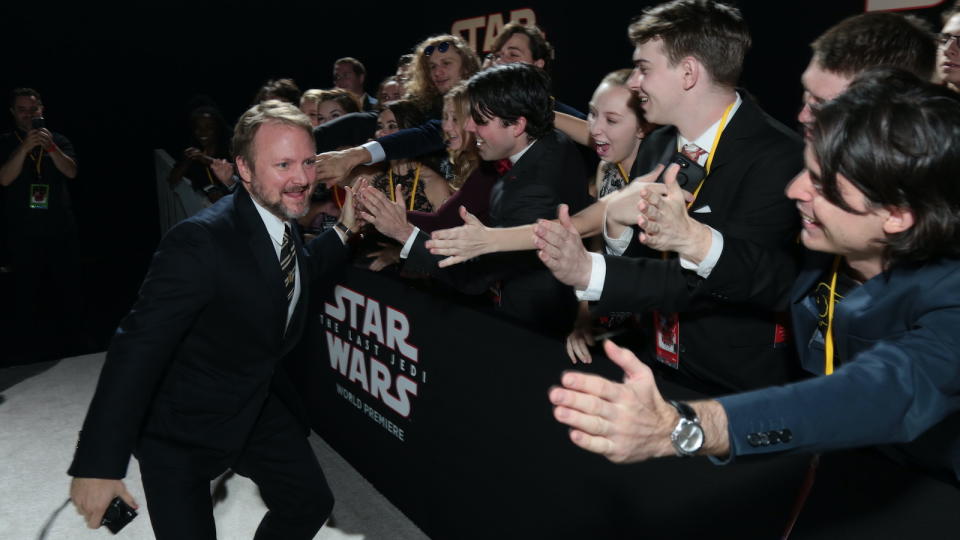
272,111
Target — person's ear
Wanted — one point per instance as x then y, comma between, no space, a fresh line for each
519,126
539,63
244,170
690,72
899,219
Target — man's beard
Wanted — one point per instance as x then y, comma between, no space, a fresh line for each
277,208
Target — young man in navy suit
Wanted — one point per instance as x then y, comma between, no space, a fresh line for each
193,382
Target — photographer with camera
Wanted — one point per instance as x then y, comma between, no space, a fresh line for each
40,230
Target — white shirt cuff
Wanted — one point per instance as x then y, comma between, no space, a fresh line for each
598,274
616,246
376,152
713,255
408,245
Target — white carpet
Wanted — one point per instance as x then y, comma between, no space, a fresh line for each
39,422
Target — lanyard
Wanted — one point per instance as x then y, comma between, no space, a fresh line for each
623,173
713,150
831,302
38,159
413,192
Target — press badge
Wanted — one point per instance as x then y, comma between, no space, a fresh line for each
668,338
40,196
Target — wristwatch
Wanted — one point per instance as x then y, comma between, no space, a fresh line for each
347,233
687,437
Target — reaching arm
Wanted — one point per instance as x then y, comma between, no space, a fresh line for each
630,421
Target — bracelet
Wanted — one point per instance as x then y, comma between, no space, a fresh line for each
50,150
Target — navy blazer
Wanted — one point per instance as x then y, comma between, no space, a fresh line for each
193,362
897,345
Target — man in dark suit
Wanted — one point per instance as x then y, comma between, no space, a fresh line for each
512,118
688,58
876,319
193,382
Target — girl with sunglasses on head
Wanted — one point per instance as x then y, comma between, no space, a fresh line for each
439,64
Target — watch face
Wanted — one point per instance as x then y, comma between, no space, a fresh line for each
689,437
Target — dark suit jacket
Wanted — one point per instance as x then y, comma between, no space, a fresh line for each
898,380
194,361
349,130
548,174
723,345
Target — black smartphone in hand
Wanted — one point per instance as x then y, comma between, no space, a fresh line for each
117,516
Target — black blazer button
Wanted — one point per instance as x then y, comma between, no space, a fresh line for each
753,440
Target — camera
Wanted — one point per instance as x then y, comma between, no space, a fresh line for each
38,122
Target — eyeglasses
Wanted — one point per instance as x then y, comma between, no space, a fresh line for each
442,47
944,39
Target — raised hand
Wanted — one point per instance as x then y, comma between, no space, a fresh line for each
462,243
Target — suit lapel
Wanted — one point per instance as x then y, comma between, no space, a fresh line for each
261,247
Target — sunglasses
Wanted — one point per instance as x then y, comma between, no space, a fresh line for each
442,47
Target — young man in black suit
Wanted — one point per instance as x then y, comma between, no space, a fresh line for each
193,383
512,117
688,58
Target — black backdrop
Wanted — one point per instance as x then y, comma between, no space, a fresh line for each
117,82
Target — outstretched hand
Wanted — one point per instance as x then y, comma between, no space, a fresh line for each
459,244
561,250
625,422
389,217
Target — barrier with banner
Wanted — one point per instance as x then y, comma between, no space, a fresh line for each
444,409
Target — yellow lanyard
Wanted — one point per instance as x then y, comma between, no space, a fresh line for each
38,160
831,302
713,150
413,192
623,173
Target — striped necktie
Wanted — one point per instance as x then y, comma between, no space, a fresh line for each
288,263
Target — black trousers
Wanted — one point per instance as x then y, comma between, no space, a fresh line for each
277,457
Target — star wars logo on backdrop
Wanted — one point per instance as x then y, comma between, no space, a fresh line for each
490,26
368,344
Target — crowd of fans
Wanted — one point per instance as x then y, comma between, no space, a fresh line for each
459,165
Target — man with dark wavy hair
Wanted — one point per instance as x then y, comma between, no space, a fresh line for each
512,117
875,309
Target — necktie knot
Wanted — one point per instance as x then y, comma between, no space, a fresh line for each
692,152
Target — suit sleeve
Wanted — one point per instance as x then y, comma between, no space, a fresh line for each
891,392
178,285
327,257
413,142
349,130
